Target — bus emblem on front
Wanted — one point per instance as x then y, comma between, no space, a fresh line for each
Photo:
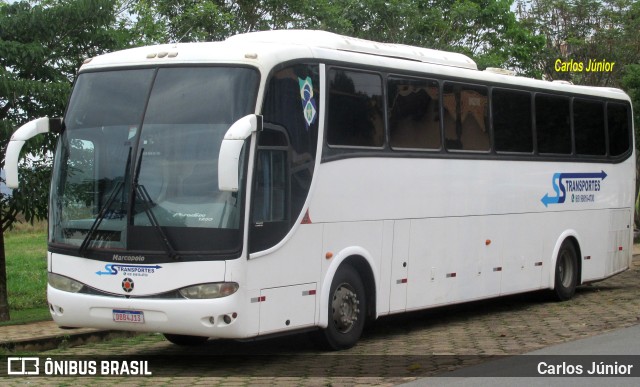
127,285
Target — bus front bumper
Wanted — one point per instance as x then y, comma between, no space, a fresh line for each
220,318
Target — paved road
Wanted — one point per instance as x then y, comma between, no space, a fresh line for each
396,350
621,346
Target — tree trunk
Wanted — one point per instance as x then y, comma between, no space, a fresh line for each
4,299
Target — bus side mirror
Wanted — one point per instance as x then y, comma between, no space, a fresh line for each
19,137
229,158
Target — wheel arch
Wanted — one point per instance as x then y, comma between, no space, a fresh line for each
363,263
572,237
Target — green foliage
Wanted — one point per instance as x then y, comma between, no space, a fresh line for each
630,82
487,30
31,198
41,48
484,29
27,269
212,20
583,30
25,316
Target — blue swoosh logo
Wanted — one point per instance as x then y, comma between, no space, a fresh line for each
559,188
112,268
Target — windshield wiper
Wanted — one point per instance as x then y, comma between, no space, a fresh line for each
103,212
99,218
147,202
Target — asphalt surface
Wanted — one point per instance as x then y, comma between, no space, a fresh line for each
621,347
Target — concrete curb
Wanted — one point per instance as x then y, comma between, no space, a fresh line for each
48,342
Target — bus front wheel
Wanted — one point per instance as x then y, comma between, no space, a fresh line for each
347,310
185,340
566,276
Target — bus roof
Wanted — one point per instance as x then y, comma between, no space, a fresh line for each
266,49
329,40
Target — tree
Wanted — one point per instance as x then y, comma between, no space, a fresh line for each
41,48
630,82
589,30
485,29
584,30
214,20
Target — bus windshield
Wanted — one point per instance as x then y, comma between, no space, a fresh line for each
137,163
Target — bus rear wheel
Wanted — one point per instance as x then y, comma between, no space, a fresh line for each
185,340
566,276
347,311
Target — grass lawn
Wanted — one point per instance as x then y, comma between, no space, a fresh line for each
26,254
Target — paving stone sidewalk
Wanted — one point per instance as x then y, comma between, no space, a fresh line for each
44,335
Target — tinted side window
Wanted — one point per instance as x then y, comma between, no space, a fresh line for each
618,123
465,117
414,113
355,109
271,188
552,124
286,152
512,121
588,127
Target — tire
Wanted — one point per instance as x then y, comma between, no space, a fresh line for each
347,311
185,340
566,275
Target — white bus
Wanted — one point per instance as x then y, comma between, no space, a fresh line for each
285,181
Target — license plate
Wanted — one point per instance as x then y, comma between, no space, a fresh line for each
128,316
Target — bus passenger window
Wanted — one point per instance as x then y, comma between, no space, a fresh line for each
271,187
414,113
465,117
588,127
512,120
355,109
618,124
552,124
285,160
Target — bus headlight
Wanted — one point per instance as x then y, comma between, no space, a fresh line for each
212,290
63,283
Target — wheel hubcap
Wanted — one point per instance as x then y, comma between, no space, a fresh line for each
345,308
